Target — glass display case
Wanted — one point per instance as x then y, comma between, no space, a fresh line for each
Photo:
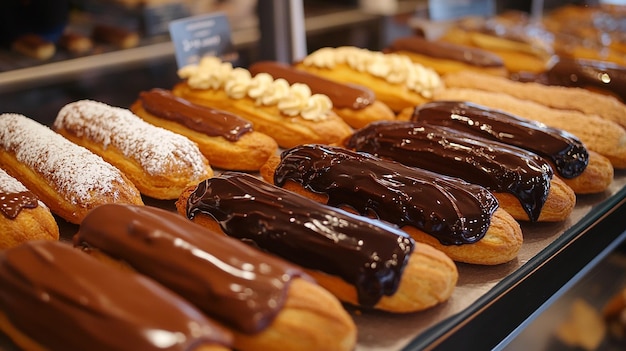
491,306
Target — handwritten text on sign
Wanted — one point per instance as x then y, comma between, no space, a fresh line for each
199,36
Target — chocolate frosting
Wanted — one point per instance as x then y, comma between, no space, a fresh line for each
368,254
227,279
494,165
11,204
342,95
442,50
450,209
66,300
567,153
589,74
202,119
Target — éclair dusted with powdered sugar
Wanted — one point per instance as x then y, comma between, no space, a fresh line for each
160,163
68,178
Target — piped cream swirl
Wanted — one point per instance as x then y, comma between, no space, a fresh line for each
394,68
292,100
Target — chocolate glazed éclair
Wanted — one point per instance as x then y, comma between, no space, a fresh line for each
212,122
447,208
498,167
369,255
591,74
564,150
208,270
66,300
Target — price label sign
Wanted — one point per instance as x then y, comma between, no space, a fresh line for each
444,10
199,36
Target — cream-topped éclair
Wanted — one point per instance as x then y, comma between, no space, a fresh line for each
355,104
23,216
289,113
291,99
394,78
160,163
69,179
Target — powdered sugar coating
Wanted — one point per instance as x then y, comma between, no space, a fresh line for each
73,171
10,185
157,150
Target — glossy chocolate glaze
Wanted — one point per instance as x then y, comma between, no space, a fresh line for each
450,209
368,254
229,280
66,300
591,74
567,153
342,95
212,122
442,50
494,165
11,204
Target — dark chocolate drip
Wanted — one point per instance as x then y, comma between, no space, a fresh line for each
494,165
442,50
565,151
341,94
11,204
448,208
229,280
212,122
368,254
590,74
66,300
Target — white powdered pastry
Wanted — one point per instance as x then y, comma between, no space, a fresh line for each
157,150
10,185
72,170
394,68
291,100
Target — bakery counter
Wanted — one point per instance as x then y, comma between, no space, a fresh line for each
490,303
